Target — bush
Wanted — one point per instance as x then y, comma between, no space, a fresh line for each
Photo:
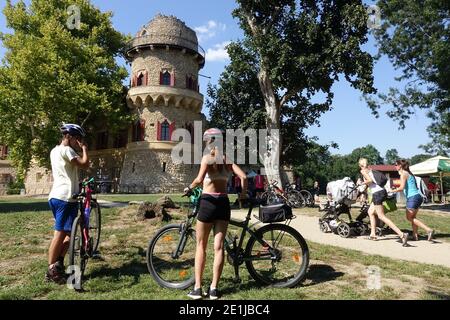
15,187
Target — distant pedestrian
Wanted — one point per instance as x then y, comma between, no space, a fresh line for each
259,184
316,192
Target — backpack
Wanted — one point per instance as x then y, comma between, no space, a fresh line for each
380,178
422,187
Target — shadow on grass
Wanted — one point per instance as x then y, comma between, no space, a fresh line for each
134,267
319,273
18,207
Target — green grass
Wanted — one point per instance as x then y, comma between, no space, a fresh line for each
122,273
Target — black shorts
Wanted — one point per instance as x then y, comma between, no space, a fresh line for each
214,208
379,197
238,189
259,190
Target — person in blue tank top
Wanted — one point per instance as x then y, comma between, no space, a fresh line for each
413,198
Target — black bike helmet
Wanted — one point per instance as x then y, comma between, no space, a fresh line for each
72,129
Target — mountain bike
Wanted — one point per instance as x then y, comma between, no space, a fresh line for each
85,234
289,195
275,254
308,198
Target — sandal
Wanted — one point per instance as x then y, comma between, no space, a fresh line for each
430,235
373,238
404,239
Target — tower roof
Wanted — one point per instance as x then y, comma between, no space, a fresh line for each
166,31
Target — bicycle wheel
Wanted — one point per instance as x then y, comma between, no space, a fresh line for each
283,260
309,199
95,225
77,254
296,199
170,272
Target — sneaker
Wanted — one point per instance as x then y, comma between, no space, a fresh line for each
196,294
60,266
213,294
53,275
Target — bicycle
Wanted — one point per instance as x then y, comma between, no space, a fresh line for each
86,229
275,254
308,198
290,196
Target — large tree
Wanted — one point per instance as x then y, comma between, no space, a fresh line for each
391,156
415,36
300,49
53,72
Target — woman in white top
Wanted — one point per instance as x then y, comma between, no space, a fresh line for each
376,208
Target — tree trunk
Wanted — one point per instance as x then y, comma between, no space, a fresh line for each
272,105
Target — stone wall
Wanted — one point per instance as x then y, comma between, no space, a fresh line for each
157,60
7,175
38,180
161,113
152,171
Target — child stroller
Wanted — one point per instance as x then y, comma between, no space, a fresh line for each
341,195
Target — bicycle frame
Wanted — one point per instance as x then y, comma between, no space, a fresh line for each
85,198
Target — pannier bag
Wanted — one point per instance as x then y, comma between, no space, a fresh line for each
275,213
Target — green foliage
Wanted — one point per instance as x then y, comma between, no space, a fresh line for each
415,37
292,51
15,187
391,156
51,74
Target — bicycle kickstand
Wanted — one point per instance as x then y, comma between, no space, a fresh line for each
237,280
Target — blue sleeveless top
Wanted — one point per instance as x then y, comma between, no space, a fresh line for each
410,187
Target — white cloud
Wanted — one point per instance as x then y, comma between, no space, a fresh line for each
209,30
218,52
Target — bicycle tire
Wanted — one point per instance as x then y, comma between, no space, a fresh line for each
309,199
76,250
300,253
296,200
176,275
95,234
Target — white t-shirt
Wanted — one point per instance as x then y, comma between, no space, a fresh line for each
65,173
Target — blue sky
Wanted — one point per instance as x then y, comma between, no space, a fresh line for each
350,123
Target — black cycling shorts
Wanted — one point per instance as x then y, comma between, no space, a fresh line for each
379,197
214,208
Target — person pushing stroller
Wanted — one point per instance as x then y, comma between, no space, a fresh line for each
376,208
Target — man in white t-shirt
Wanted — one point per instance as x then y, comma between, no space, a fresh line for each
65,163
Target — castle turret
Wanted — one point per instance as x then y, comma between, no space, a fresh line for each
164,92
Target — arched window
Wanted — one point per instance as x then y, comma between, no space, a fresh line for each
165,78
140,80
165,131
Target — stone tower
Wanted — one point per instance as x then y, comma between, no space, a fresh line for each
165,60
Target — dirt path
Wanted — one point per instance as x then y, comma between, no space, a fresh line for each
436,252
